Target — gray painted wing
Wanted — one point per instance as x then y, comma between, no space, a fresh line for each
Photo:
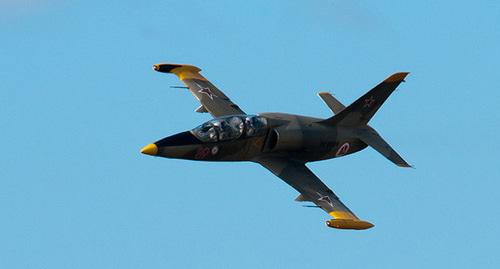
312,189
212,99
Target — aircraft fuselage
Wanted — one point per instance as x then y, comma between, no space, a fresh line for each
282,143
294,136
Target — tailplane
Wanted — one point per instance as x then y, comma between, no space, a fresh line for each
335,105
362,110
370,137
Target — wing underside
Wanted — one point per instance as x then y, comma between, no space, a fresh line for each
212,99
312,189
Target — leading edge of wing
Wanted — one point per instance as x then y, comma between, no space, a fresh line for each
312,189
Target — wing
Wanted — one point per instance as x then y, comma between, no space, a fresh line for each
312,189
212,99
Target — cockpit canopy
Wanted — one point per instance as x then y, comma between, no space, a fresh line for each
230,128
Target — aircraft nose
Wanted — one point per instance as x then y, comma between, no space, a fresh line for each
150,149
180,139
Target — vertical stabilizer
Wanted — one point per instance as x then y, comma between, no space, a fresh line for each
362,110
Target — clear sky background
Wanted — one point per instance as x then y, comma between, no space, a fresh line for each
78,99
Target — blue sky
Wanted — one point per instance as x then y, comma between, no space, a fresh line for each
79,99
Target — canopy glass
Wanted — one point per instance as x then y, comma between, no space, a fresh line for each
230,128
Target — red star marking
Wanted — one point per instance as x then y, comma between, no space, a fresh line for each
369,101
201,153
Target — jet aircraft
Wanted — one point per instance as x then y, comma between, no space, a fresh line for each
282,143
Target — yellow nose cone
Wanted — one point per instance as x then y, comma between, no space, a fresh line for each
150,149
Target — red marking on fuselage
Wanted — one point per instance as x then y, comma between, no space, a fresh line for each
369,102
202,153
343,149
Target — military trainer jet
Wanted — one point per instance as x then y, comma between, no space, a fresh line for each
282,143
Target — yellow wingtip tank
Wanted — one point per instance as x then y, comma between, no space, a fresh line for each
347,220
349,224
183,71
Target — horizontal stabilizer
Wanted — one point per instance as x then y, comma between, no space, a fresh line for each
370,137
335,105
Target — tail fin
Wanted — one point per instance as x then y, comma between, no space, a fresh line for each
363,109
370,137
